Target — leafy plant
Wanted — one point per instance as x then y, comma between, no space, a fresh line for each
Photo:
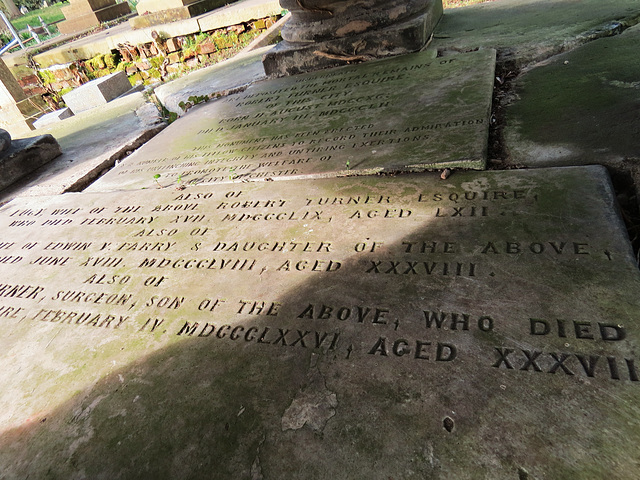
193,101
179,185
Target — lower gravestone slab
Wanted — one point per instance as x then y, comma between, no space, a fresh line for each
408,113
392,327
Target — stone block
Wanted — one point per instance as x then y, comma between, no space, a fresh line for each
368,328
26,155
32,106
374,117
174,68
29,80
53,117
173,45
81,15
151,6
240,12
174,58
62,73
36,90
143,65
97,92
259,24
192,62
167,11
206,48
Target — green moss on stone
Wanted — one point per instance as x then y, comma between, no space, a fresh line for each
111,61
97,62
156,62
136,79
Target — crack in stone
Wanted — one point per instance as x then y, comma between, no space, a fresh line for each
314,405
256,468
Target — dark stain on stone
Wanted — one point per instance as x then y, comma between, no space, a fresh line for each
448,424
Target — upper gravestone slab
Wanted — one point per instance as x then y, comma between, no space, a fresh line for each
408,113
482,327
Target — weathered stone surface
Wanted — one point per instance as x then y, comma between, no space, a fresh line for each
380,327
526,31
97,92
238,12
579,108
151,6
23,156
218,80
91,142
369,118
5,140
329,33
83,14
154,12
12,119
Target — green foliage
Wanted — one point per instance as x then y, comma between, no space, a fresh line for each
156,62
201,38
97,62
47,77
122,66
49,15
30,4
99,73
170,117
225,39
193,101
111,60
135,79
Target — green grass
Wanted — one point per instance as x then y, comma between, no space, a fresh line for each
49,15
461,3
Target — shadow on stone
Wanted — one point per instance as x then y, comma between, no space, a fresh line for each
329,388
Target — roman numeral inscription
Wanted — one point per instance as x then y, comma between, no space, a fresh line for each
411,314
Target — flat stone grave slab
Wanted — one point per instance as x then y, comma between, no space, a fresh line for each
579,108
408,113
527,31
388,327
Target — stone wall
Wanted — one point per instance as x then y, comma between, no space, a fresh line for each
145,64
